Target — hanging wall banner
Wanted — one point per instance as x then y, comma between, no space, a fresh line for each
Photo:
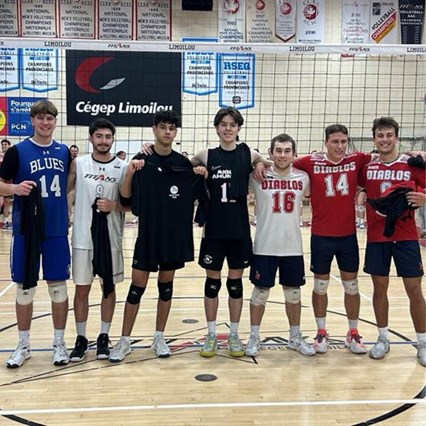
128,88
285,19
231,15
260,17
18,115
383,22
9,69
310,21
355,22
38,18
9,18
153,20
236,80
39,72
199,69
411,16
115,19
77,18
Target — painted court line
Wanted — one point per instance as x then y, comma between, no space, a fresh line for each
210,406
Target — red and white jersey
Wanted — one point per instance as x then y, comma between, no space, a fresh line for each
376,177
278,200
333,190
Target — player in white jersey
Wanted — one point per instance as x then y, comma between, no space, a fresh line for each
278,242
97,178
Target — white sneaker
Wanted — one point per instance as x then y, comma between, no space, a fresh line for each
60,354
421,353
22,353
253,345
160,348
380,348
299,344
120,350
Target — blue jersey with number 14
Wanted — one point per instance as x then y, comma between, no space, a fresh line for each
48,167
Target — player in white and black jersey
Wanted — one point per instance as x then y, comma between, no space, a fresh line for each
96,178
161,189
278,242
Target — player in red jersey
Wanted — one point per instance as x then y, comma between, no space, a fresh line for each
389,169
334,176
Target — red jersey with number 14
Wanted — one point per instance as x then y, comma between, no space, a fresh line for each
376,178
333,190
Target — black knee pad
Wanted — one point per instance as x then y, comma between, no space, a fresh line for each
134,295
212,287
235,288
165,291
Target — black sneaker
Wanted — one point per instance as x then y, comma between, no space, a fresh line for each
80,349
102,351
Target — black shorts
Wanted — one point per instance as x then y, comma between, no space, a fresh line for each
405,254
238,253
323,250
291,270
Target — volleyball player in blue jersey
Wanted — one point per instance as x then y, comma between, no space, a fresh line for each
35,172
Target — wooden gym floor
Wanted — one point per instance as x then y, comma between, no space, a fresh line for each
279,387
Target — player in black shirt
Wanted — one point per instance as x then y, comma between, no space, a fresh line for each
227,229
161,189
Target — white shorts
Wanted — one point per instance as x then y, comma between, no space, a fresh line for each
82,268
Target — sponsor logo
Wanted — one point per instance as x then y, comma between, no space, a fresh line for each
62,44
174,192
126,87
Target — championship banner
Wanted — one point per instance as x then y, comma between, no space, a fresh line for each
383,22
39,72
310,16
231,25
9,69
285,19
199,69
77,19
115,19
411,16
236,80
38,18
260,16
355,22
128,88
154,20
9,18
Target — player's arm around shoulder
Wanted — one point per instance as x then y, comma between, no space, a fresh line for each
259,165
200,158
132,168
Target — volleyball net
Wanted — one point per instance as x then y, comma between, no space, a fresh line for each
279,88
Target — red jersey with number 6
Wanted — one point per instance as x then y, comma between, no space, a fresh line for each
376,178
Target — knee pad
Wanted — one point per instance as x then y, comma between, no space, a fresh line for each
165,291
259,296
135,294
292,295
235,288
351,287
320,286
24,297
212,287
58,292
